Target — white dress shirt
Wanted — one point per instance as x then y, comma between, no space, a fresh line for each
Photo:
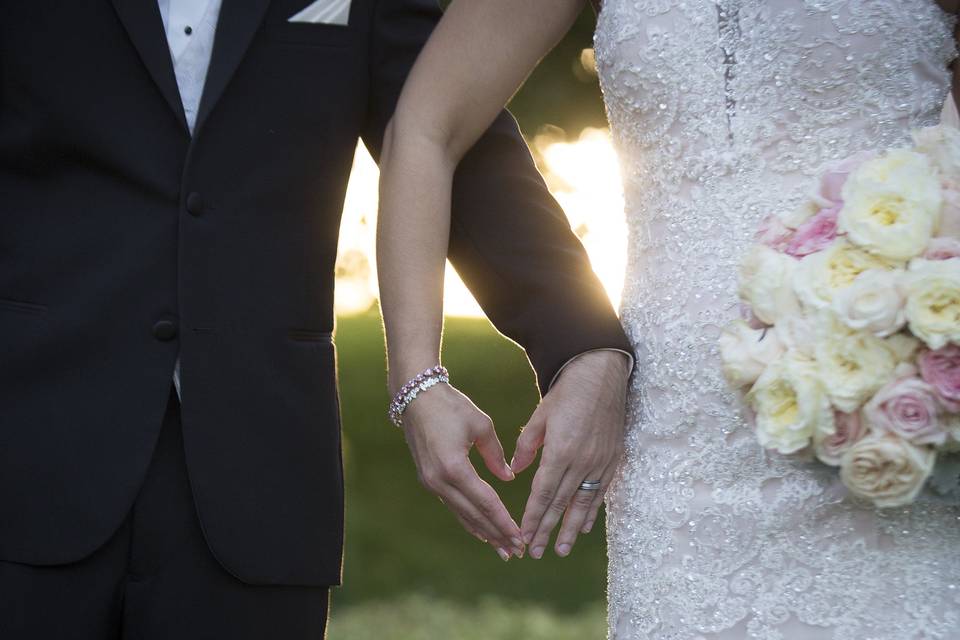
190,26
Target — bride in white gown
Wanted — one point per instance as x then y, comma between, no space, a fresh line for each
722,111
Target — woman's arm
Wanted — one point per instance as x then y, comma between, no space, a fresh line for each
476,59
479,54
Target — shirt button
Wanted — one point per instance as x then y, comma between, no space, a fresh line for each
188,29
194,204
164,330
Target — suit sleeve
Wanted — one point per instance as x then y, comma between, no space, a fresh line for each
510,240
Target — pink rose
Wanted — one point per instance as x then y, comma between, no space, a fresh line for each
941,369
942,249
909,408
831,182
773,233
849,430
815,234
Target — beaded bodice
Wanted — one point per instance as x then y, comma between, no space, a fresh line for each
722,111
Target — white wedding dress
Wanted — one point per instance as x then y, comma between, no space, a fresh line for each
722,110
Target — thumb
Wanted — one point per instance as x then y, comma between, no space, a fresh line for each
529,442
490,449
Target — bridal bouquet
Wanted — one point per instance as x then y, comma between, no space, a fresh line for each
849,349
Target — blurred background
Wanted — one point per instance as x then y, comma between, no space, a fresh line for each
411,572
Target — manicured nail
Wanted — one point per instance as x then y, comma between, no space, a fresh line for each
503,555
512,460
563,550
520,553
517,542
509,471
527,539
536,553
588,527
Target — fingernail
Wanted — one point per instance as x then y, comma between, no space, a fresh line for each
563,550
503,555
588,527
517,542
510,473
520,553
527,538
536,552
512,460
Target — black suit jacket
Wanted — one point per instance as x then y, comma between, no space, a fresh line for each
125,242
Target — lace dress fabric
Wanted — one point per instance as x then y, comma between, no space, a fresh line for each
722,110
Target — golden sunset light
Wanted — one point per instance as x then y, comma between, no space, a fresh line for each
584,177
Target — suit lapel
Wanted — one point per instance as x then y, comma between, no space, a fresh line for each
239,21
141,18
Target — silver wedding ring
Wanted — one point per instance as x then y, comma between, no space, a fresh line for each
589,485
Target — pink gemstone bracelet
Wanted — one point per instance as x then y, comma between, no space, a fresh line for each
409,392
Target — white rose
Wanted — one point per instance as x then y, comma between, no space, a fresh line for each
820,276
798,333
852,365
904,347
793,218
766,283
874,303
886,470
790,405
933,301
746,352
891,205
941,144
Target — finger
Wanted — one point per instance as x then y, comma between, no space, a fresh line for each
485,501
576,515
473,528
542,493
490,449
598,500
529,442
555,510
467,511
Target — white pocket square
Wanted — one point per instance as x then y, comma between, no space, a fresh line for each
324,12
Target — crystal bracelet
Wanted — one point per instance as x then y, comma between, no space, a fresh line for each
409,392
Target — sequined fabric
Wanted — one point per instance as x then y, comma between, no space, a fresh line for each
722,110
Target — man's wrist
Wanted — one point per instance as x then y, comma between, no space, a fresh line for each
613,361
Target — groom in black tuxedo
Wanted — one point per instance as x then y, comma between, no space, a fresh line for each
145,237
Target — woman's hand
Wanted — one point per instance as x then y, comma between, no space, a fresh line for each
441,426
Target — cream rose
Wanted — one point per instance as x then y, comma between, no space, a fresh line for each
852,365
904,347
790,405
941,144
746,352
874,303
891,205
886,470
766,283
821,276
933,301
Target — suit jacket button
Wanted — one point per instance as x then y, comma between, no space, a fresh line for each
194,204
165,330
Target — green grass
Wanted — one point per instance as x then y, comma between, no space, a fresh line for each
411,572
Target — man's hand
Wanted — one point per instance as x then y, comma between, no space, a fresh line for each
580,425
440,427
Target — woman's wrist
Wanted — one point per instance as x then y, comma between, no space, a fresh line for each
403,369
